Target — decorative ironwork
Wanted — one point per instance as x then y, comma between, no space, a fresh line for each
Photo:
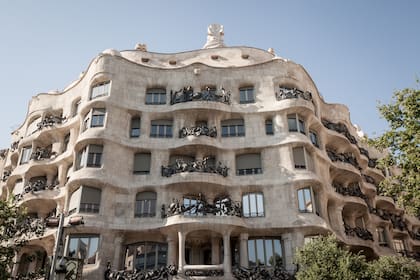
162,273
288,93
38,185
372,162
70,268
187,94
204,272
362,233
414,234
6,175
222,207
351,189
197,131
3,153
262,273
343,157
50,121
396,220
194,166
42,153
340,128
14,145
364,152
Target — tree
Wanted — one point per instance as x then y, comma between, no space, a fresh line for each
394,268
16,228
322,258
402,143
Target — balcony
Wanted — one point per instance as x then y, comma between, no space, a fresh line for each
359,232
351,190
340,128
201,130
200,207
187,95
289,93
43,153
204,166
343,157
50,121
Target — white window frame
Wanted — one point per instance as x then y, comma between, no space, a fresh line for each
306,204
100,89
247,95
250,201
299,122
26,154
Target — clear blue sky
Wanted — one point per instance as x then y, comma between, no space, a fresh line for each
357,52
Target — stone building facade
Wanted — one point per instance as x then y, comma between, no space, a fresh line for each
207,160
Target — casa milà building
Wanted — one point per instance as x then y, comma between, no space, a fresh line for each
207,160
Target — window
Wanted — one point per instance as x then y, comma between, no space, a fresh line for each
145,204
100,89
399,246
83,247
246,95
135,127
314,138
253,205
98,117
76,107
90,156
85,200
26,154
269,127
146,256
302,158
18,188
192,204
248,164
305,200
382,240
232,128
296,123
155,96
141,163
161,129
264,251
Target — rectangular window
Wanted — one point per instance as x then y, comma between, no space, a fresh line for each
314,138
161,129
253,205
299,157
269,127
265,252
191,206
233,128
399,246
145,204
296,123
246,95
382,240
142,163
156,96
135,127
146,256
94,158
101,89
248,164
26,154
305,200
90,200
83,247
98,117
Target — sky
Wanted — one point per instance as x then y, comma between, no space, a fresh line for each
357,52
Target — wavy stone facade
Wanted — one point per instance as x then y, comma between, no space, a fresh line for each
207,160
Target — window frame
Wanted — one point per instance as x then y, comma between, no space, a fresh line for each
233,128
142,172
103,88
162,129
269,128
313,137
154,92
306,165
265,251
142,203
77,237
249,201
25,154
299,123
86,158
303,205
155,254
135,127
246,95
248,171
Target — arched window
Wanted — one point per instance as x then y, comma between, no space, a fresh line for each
253,205
145,204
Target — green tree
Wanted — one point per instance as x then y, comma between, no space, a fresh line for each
16,228
402,143
322,258
394,268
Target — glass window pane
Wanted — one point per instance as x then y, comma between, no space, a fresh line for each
224,130
161,130
93,248
278,251
72,247
301,200
241,130
168,131
269,252
291,121
252,258
253,205
260,205
308,200
245,205
260,252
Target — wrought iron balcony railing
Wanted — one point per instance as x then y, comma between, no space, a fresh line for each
42,153
197,131
50,121
289,93
359,232
340,128
204,166
187,94
343,157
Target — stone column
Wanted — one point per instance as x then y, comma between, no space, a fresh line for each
181,251
288,251
243,249
215,250
227,261
171,250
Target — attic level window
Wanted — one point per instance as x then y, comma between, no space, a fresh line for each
156,96
100,89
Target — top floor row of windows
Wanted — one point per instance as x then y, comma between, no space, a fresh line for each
158,95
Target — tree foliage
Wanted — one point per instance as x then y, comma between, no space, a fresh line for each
16,228
323,258
402,143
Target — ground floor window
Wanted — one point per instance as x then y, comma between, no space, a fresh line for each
146,255
83,247
264,251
